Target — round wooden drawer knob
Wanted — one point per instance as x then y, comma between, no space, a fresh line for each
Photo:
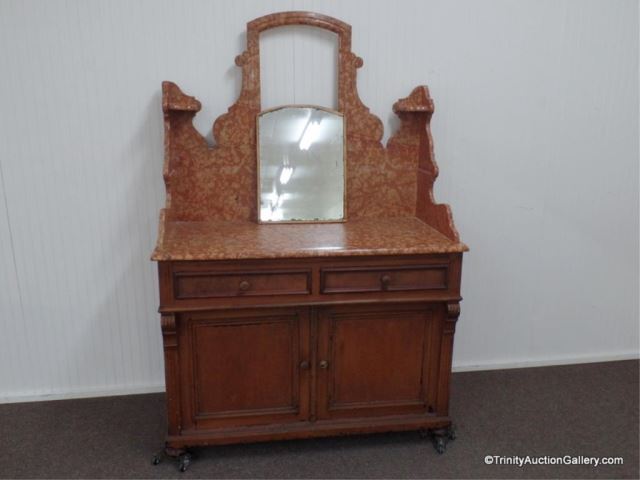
244,286
385,280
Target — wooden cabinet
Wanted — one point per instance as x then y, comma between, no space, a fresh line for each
376,360
304,329
244,367
270,366
295,364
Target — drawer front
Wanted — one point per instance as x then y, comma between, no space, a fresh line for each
381,279
238,284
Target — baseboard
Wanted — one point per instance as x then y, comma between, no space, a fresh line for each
159,387
545,362
85,393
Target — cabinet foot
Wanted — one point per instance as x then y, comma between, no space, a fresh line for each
440,437
182,456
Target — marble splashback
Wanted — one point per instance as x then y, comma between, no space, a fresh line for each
207,184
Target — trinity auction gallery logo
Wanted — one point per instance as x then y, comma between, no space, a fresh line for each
549,460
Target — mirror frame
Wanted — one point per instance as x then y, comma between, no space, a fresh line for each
344,165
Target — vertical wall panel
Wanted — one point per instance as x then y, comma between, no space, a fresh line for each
536,130
10,303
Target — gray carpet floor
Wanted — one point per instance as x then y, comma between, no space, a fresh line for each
588,410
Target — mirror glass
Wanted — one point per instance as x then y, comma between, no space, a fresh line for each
301,165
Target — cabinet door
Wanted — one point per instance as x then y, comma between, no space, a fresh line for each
377,360
244,367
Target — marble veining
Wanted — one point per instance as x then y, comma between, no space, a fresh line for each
221,240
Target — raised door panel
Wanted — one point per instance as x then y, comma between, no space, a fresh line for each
376,360
244,367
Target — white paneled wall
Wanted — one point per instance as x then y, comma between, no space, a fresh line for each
536,131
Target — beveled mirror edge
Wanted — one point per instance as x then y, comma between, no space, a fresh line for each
344,165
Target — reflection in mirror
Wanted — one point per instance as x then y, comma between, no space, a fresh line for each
301,164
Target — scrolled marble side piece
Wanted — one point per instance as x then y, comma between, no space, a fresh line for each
174,100
202,182
414,140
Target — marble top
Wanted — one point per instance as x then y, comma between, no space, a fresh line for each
227,240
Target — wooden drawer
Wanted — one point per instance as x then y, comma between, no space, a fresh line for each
380,279
239,284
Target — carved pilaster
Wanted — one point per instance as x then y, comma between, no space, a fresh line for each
453,312
171,369
169,333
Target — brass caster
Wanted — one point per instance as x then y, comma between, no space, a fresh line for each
184,461
440,444
439,436
157,458
452,433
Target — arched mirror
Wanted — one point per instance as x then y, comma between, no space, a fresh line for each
301,164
